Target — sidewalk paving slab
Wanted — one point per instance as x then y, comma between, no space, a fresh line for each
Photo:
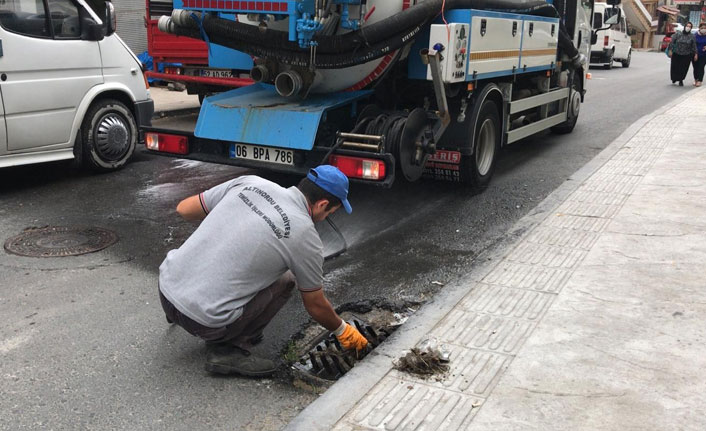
594,319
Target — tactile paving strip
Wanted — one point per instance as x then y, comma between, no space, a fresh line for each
507,302
512,274
405,404
482,331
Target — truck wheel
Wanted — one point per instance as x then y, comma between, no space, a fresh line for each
626,62
477,169
573,109
109,135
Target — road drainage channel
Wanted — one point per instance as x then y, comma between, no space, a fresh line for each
317,359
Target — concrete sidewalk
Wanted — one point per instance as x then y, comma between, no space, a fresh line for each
594,319
167,102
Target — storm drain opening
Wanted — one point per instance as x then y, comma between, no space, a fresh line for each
318,360
60,241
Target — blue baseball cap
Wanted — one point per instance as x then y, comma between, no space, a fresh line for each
333,181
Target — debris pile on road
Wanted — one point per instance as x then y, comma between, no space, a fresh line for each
426,360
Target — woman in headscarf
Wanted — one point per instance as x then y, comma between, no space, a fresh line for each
701,55
682,50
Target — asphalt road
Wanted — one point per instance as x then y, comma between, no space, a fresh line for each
83,341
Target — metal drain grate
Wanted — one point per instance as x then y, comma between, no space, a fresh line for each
59,241
327,361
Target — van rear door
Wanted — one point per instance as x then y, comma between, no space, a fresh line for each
45,71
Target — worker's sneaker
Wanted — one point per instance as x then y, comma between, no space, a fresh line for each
226,359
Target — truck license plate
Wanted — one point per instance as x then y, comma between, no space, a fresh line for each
210,73
262,154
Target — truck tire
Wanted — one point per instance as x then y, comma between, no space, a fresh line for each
477,169
108,135
626,62
574,108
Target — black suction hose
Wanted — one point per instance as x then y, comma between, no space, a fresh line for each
372,34
350,49
302,58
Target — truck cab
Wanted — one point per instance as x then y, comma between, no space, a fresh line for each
70,87
613,42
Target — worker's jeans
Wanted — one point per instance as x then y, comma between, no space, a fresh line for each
256,315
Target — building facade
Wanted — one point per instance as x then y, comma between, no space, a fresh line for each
131,24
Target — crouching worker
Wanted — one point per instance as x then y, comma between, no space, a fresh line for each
255,245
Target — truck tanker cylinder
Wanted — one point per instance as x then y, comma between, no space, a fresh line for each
344,60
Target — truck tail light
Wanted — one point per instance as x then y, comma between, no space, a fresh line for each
165,143
606,40
356,167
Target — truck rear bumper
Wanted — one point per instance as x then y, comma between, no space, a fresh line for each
600,57
215,151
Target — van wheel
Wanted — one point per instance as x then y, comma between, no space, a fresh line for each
609,65
573,108
477,169
109,135
626,62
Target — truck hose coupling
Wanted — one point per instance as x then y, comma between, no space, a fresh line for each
184,18
166,25
289,83
260,73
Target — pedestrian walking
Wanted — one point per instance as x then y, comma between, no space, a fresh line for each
682,51
700,62
255,244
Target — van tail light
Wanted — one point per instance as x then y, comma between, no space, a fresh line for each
606,40
165,143
147,83
357,167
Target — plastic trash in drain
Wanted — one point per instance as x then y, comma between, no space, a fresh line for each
327,362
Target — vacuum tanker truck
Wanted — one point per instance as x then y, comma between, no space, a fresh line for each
384,89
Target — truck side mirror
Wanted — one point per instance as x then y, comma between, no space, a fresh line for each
613,2
111,20
614,18
594,38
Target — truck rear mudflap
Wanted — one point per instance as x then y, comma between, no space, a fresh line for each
359,166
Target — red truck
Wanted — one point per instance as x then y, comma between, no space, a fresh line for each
186,60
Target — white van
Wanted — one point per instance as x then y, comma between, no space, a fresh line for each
613,43
70,87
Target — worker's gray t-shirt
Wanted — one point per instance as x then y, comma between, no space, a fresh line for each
254,232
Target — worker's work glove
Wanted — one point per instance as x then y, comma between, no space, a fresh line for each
350,338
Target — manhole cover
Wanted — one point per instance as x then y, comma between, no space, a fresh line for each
58,241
